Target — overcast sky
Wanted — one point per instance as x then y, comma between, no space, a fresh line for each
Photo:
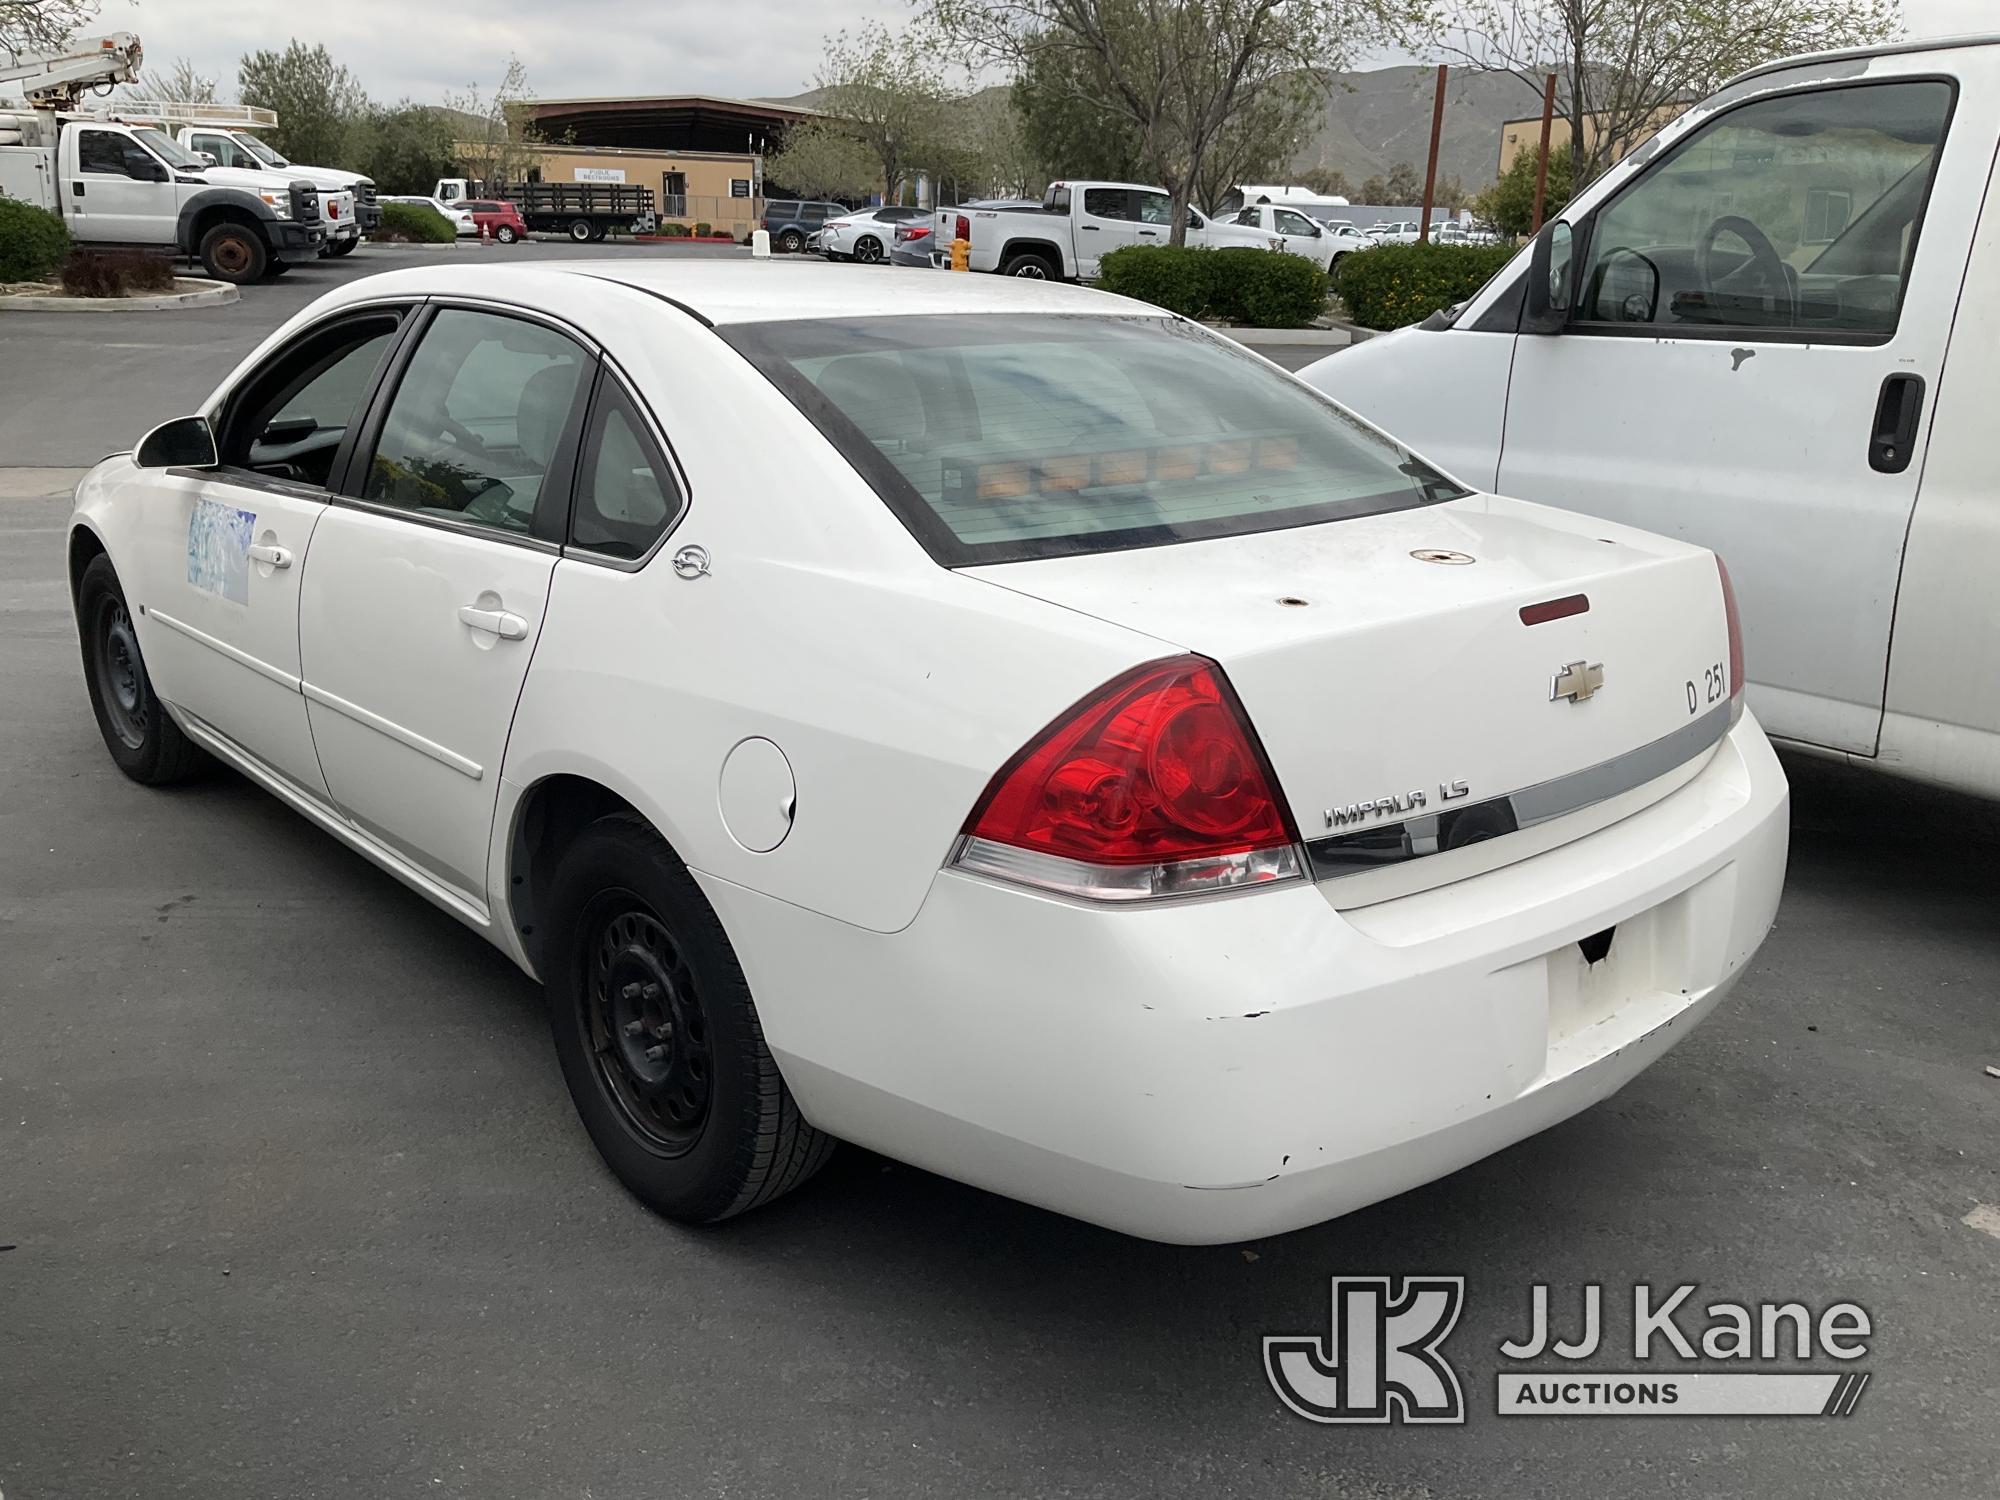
423,48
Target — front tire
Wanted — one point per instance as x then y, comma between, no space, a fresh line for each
145,743
233,253
344,247
658,1037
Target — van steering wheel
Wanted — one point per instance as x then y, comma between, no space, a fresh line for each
1763,256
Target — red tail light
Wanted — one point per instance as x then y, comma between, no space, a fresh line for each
1152,786
1735,632
964,228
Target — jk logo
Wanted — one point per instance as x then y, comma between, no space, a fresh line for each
1380,1363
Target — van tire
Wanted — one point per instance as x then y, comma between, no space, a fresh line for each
1031,265
234,253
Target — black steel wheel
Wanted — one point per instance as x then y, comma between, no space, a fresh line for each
143,739
659,1039
648,1035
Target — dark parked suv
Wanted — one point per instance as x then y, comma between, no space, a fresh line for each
792,222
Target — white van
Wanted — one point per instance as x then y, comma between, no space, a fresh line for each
1773,330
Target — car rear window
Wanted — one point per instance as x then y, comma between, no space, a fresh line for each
1002,439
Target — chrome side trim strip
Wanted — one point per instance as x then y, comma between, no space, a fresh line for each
241,658
395,731
1414,838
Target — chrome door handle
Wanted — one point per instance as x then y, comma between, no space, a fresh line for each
267,552
500,622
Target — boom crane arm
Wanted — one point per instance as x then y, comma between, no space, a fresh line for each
59,80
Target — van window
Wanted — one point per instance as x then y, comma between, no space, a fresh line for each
1799,212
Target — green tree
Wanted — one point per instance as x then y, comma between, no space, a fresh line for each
1403,185
882,87
1177,73
820,159
317,101
1066,135
1509,204
404,149
1329,182
1625,67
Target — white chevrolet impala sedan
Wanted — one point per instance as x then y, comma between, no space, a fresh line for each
995,723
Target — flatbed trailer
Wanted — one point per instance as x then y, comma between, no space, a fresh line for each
584,211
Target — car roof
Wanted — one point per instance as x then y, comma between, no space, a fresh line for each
765,291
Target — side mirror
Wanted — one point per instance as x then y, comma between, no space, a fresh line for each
184,443
207,157
1551,279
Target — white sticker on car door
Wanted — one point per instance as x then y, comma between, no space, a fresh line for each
218,550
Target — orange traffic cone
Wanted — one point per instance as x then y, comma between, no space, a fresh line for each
485,232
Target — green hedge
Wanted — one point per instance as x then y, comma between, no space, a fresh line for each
415,221
1395,285
1239,284
33,241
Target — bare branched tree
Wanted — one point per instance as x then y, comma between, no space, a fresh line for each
41,25
1625,67
495,142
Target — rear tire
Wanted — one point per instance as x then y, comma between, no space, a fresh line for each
1031,265
579,231
868,250
658,1037
233,253
791,242
505,234
145,743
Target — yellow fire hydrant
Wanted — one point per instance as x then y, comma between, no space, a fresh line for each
961,255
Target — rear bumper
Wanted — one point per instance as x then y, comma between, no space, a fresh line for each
1234,1067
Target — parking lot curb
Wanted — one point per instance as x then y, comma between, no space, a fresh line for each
195,292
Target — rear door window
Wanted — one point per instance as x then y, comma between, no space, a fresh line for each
997,440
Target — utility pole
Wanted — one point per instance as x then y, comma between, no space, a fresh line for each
1431,171
1542,166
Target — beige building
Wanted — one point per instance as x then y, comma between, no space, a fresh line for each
1517,136
701,154
721,189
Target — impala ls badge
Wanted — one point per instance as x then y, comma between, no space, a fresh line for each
1577,681
691,562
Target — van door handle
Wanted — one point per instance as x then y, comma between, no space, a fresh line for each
1894,440
500,622
264,552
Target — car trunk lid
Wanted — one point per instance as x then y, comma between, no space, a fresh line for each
1407,703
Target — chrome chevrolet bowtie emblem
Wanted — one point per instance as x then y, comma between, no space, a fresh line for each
1577,681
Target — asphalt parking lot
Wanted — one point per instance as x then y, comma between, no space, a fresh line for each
293,1201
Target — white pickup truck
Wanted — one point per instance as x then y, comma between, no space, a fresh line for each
1079,223
235,148
1299,233
116,183
1773,330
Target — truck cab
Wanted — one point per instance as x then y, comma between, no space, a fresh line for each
1773,330
243,150
1079,223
